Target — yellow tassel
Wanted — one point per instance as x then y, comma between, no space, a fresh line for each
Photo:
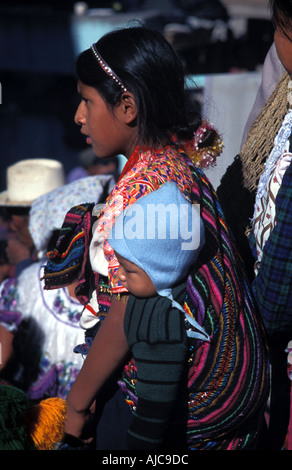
45,422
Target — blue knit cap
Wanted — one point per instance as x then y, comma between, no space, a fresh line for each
162,233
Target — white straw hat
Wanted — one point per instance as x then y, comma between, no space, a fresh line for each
29,179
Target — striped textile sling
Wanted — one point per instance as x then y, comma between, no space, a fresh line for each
228,378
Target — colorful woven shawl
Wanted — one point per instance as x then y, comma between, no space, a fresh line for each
228,378
67,262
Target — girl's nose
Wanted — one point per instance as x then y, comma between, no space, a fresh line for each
79,117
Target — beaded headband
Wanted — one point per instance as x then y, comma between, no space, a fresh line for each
106,68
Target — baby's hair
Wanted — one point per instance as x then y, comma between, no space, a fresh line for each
147,66
281,11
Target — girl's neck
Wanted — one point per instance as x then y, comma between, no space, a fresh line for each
140,149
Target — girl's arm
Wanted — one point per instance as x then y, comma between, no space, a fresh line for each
107,352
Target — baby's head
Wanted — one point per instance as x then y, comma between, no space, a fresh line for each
134,278
156,241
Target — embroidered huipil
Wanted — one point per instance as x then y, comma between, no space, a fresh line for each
46,328
150,170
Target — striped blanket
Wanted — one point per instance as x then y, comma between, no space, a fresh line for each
228,378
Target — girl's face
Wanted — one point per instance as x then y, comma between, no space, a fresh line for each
106,129
134,279
283,43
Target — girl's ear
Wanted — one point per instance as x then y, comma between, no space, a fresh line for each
128,108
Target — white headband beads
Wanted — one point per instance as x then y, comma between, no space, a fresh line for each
106,68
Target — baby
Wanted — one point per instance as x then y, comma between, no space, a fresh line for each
156,241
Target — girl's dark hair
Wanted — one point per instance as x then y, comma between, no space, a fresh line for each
150,69
281,11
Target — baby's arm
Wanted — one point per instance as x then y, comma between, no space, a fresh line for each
107,352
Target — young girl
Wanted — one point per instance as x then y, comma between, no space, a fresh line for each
134,103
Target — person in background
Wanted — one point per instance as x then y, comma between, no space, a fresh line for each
90,165
272,72
256,197
39,329
26,181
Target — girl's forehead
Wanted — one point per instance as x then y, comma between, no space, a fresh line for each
83,89
80,86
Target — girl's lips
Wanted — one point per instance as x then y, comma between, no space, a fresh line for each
88,140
